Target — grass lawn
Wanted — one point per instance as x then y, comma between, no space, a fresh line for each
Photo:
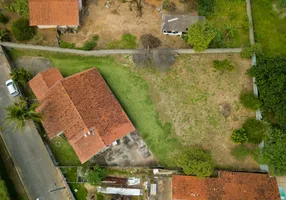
231,18
174,110
269,27
81,193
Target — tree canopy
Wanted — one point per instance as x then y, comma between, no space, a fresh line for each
21,29
3,191
21,76
196,161
95,176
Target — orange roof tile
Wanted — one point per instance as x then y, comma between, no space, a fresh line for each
54,12
81,103
229,185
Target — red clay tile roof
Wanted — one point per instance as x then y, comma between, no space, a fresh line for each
228,186
54,12
79,104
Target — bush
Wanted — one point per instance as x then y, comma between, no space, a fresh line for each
270,74
20,6
240,152
239,136
4,36
95,38
274,152
67,45
3,18
206,7
196,162
223,65
21,29
248,51
169,6
4,195
89,45
248,100
150,41
255,129
96,175
38,39
99,196
21,76
200,35
281,3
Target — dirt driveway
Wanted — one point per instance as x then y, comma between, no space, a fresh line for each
110,23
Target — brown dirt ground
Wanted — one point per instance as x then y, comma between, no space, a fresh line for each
111,23
202,104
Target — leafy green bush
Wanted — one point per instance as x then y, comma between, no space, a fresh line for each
38,39
206,7
3,18
248,100
20,6
21,76
67,45
4,35
270,74
281,3
196,161
255,129
90,44
240,152
4,195
248,51
223,65
127,41
96,175
21,29
239,136
200,35
274,152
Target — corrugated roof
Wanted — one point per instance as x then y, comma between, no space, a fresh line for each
228,186
80,104
54,12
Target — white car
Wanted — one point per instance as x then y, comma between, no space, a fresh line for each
13,90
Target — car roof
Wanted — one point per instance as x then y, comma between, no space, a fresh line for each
9,81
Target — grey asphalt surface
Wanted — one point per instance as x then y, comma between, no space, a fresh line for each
29,154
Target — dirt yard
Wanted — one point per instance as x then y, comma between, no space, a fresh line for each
110,23
203,104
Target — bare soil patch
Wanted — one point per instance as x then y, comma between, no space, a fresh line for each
203,104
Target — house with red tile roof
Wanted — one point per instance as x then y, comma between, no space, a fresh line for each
227,186
83,108
54,13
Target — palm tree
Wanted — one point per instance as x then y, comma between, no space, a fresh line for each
21,76
20,112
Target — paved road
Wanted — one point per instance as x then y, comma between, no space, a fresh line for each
112,51
30,156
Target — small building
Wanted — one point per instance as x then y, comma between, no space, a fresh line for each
178,24
55,13
227,186
83,108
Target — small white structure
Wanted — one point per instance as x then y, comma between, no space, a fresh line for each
178,24
120,191
153,190
133,181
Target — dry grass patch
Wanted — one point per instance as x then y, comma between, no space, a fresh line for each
203,104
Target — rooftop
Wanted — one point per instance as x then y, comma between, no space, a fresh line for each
83,108
229,185
54,12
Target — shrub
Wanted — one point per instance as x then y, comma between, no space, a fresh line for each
239,136
4,35
38,39
67,45
4,195
3,18
255,129
248,51
99,196
248,100
95,37
206,7
196,161
20,6
21,29
240,152
150,41
223,65
281,3
95,176
274,152
89,45
200,35
169,6
21,76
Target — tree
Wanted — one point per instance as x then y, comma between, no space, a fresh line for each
3,191
196,161
200,35
240,152
239,136
3,18
274,152
21,29
96,175
248,51
256,130
149,41
248,100
21,76
20,112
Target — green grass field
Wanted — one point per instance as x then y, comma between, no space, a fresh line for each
133,93
269,27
